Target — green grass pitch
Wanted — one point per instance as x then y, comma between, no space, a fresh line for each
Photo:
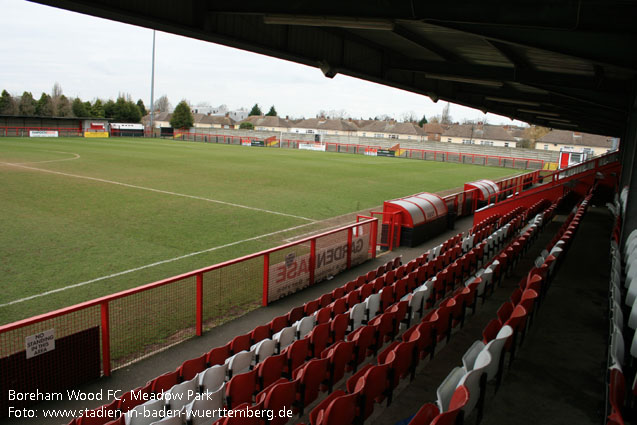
118,204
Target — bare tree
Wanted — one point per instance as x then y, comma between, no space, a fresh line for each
435,119
445,118
409,117
162,104
57,90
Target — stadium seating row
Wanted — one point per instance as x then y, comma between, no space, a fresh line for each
243,354
464,388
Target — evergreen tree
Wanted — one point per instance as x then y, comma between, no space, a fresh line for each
7,104
182,116
246,125
79,108
44,106
142,108
271,112
255,110
27,104
97,109
423,121
64,107
109,109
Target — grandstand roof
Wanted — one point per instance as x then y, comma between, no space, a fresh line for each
555,64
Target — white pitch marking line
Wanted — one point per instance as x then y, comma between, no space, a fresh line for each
166,192
75,156
170,260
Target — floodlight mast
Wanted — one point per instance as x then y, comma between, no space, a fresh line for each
152,91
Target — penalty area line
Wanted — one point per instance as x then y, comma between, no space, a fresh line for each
170,260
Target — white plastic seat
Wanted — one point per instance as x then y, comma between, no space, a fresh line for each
209,401
471,380
263,349
447,387
137,417
212,377
181,394
470,356
357,315
372,306
304,327
494,348
239,363
416,303
284,337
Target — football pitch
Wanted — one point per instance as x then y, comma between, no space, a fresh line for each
83,218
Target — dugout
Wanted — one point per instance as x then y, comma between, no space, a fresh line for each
484,191
419,217
127,130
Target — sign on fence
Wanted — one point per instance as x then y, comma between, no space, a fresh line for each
40,343
312,146
41,133
96,134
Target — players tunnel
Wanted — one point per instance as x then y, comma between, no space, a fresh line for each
414,219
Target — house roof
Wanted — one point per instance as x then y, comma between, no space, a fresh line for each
213,119
566,137
267,121
394,127
477,131
434,128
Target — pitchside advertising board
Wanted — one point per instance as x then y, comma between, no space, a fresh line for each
38,133
293,274
312,146
248,142
379,152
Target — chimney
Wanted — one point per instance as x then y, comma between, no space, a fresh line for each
287,117
227,114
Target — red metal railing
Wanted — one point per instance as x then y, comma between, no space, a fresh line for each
112,314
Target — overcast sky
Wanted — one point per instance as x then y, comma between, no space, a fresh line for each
92,57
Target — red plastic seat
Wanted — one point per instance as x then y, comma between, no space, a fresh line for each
240,343
281,396
374,387
163,382
443,322
260,333
218,355
390,277
459,399
425,415
617,390
240,419
312,376
402,362
319,338
491,330
386,298
296,314
400,312
338,293
400,288
504,312
338,327
361,280
371,275
311,306
325,300
190,368
241,388
339,306
323,315
366,290
297,353
127,401
340,357
516,296
352,298
271,369
363,340
384,327
337,409
278,323
378,284
349,286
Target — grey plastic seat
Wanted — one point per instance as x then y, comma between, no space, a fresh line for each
304,327
471,380
416,303
263,349
182,394
212,377
470,356
495,348
284,337
357,315
372,306
448,387
206,402
239,363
